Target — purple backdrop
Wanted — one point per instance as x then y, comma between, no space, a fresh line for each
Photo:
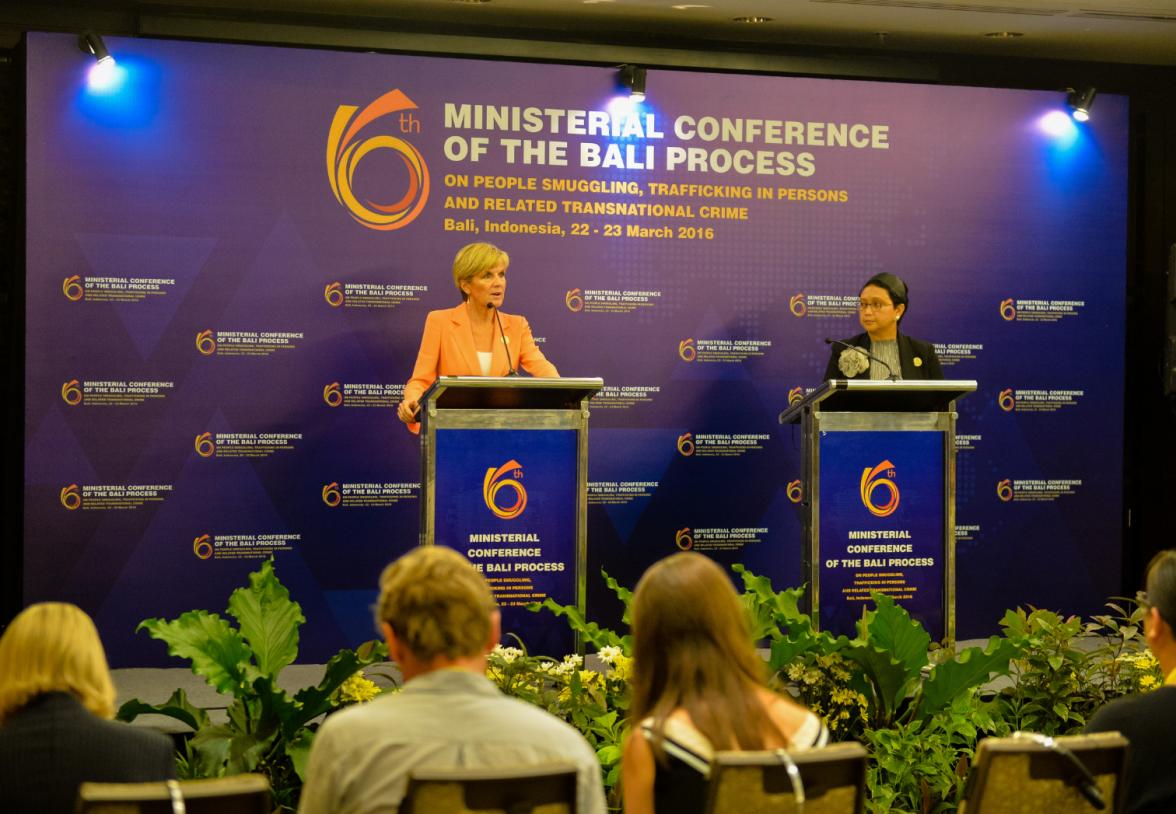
232,251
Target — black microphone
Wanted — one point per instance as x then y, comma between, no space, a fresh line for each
893,376
505,344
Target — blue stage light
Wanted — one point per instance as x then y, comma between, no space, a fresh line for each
1058,125
106,76
621,106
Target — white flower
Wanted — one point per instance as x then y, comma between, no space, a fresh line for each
575,660
853,361
507,654
608,654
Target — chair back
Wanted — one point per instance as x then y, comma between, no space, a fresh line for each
1033,773
831,780
239,794
544,789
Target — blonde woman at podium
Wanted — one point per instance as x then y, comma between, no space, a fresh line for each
473,338
888,353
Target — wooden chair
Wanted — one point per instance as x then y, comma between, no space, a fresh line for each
239,794
1030,773
544,789
817,781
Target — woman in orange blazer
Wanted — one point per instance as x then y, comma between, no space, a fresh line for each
465,340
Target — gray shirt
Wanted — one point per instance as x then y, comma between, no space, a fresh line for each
887,351
446,719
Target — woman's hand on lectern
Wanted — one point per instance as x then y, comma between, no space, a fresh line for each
407,411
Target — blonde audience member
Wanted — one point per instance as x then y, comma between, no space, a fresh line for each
55,697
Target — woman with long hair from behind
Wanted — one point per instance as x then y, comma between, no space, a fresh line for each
698,687
55,696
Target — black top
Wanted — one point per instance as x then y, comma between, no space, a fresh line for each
1148,721
52,745
917,357
682,784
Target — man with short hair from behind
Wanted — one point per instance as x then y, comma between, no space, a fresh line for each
440,621
1149,720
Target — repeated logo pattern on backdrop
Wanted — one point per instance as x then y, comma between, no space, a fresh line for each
214,356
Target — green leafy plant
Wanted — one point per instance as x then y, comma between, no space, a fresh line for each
917,708
1053,692
266,730
1066,669
1121,657
593,701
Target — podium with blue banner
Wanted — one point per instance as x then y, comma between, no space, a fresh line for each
878,499
504,480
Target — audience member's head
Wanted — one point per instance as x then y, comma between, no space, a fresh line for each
692,649
54,647
436,606
1160,627
1161,585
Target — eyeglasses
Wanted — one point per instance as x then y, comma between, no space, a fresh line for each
874,305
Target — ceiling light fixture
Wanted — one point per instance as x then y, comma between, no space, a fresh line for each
632,79
1080,102
91,43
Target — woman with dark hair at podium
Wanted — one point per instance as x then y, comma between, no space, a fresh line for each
882,302
698,687
55,698
473,338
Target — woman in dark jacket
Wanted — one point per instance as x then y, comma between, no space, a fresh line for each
882,303
56,697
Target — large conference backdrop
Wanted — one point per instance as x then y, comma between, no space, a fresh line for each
232,250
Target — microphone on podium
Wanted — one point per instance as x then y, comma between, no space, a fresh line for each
505,344
893,376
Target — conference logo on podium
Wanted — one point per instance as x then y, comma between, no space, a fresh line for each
202,546
797,305
205,446
683,539
795,396
205,343
331,494
71,393
872,481
1006,400
70,497
686,350
345,152
574,300
333,294
795,491
496,480
1008,311
1004,490
686,444
72,288
332,395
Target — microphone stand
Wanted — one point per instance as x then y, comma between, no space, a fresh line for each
505,344
892,377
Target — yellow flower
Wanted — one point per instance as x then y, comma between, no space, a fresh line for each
1148,682
1144,661
356,690
622,668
